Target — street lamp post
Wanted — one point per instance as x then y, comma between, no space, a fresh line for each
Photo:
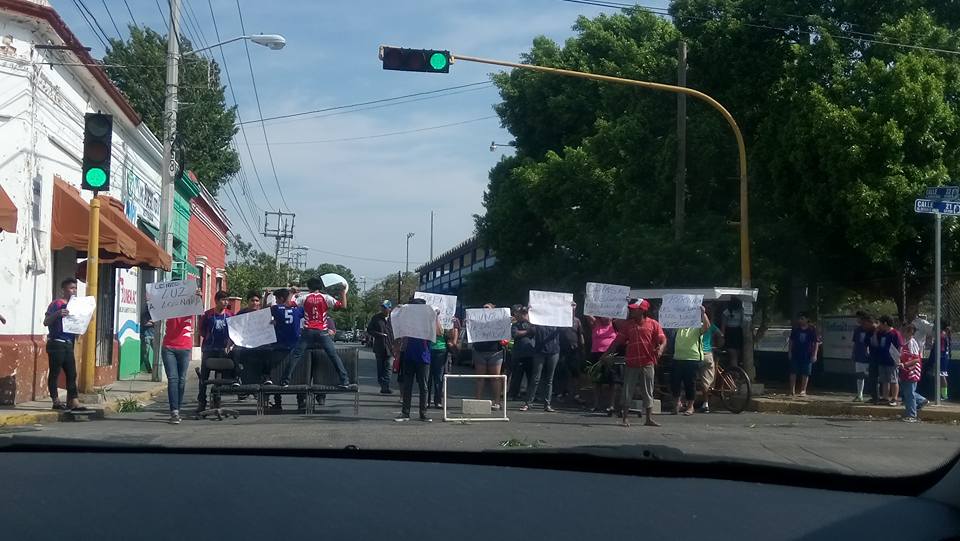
409,236
494,145
170,107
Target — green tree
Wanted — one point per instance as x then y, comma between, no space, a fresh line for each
386,289
249,269
206,125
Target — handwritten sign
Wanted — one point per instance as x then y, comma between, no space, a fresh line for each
488,324
606,300
551,309
81,312
252,329
680,311
447,304
414,321
173,299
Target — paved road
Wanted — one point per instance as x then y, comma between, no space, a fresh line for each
849,445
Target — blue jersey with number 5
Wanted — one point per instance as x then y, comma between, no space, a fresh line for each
287,323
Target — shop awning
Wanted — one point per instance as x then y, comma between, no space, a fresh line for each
149,254
70,225
8,213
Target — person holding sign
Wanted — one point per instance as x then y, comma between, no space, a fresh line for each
487,359
545,358
216,340
177,347
315,308
60,348
688,355
645,343
415,358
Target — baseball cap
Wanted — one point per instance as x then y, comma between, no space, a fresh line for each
386,304
639,304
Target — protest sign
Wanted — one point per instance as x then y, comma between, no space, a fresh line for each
81,312
680,311
252,329
414,321
330,279
551,309
177,298
606,300
447,304
488,324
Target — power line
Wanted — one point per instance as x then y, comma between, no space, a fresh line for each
360,258
256,94
233,94
113,22
389,134
243,218
371,102
130,12
92,29
618,5
162,16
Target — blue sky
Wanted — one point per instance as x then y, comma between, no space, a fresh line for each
360,198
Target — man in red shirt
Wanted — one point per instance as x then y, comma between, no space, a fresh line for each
645,343
315,308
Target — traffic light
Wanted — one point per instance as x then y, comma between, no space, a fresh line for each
426,60
97,136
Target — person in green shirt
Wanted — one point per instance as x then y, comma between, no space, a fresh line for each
445,342
687,358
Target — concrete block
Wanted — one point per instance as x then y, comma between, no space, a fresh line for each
638,405
477,407
756,389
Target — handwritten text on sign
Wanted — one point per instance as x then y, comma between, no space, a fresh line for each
252,329
606,300
173,299
488,324
447,304
414,321
81,312
680,311
551,309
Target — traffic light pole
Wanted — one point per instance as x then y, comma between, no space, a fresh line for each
169,133
89,364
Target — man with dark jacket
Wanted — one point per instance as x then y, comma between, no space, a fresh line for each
570,366
381,336
523,350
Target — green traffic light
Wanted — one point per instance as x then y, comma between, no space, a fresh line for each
438,61
96,177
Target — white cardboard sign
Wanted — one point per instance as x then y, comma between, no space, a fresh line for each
81,312
252,329
177,298
551,309
606,300
680,311
414,321
488,324
332,278
447,304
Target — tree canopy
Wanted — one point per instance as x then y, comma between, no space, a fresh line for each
206,125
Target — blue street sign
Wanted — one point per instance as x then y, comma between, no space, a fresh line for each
928,206
943,193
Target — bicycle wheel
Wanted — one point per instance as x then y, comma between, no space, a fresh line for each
734,388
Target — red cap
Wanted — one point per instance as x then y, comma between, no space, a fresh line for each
642,304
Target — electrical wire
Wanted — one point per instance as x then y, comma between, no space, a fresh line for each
256,94
361,258
101,39
389,134
130,12
113,22
370,102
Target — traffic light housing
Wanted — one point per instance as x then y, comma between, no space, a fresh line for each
424,60
97,140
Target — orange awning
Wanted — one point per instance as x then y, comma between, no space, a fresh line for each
70,225
149,254
8,213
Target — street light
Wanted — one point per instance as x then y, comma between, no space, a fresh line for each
409,236
272,41
493,146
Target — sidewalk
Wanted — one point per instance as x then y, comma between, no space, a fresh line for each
838,404
140,388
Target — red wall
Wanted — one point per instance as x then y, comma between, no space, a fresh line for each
204,242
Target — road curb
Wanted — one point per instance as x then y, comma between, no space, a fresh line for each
25,418
798,407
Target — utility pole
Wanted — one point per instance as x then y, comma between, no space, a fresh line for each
89,358
399,283
409,236
281,231
680,212
167,169
938,299
431,235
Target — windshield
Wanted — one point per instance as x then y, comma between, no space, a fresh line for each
722,229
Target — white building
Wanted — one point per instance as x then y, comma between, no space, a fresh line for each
43,97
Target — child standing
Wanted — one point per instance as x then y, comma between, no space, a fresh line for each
910,374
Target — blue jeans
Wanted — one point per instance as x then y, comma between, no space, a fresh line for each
175,364
911,398
310,339
543,367
438,365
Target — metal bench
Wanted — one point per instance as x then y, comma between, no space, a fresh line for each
315,376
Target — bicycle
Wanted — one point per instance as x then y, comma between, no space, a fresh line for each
732,385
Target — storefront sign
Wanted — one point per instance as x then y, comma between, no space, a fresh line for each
145,199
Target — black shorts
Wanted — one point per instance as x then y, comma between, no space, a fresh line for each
734,338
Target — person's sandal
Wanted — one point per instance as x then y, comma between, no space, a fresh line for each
59,406
524,407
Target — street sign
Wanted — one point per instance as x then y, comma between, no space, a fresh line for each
929,206
943,193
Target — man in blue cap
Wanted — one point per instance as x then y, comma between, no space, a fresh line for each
381,335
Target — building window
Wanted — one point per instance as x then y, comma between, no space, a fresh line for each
479,254
219,283
467,259
456,264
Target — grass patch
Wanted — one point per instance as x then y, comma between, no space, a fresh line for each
129,405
